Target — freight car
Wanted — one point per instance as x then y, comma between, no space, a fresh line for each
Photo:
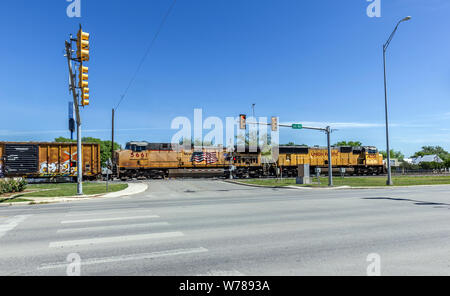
48,161
160,160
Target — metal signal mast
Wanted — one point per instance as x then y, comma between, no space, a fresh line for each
82,53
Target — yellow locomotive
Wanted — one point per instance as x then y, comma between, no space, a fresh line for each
162,160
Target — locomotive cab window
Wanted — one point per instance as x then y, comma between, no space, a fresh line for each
357,151
346,149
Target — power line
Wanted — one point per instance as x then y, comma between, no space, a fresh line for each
147,52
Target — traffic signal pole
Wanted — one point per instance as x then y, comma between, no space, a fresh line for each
78,119
327,130
82,55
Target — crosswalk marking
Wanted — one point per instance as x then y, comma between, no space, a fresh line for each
114,239
104,212
108,219
127,258
113,227
11,224
94,234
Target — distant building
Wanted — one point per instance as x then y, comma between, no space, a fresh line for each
394,162
427,158
408,160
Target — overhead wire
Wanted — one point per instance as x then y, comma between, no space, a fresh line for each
158,31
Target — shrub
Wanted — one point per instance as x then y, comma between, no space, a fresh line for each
12,185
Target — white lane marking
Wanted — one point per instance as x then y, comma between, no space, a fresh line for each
105,212
127,258
11,224
114,239
233,272
126,226
108,219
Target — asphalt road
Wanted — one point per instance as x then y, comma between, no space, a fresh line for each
207,227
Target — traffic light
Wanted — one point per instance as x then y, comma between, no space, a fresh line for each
83,46
274,124
83,77
83,84
242,122
85,96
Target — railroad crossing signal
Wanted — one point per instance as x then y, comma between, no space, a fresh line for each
297,126
274,124
83,46
242,122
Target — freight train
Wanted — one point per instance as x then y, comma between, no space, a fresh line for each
163,160
42,161
57,161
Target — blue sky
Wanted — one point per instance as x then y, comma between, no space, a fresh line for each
316,62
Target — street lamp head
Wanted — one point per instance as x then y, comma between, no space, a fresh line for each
406,19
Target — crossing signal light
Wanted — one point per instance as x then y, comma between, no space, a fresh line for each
83,46
242,121
274,124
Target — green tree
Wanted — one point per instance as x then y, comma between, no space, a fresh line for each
431,165
447,163
433,150
288,144
105,146
394,154
64,140
349,143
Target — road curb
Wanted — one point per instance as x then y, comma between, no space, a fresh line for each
253,185
333,188
133,188
291,187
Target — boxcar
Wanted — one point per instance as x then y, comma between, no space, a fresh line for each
51,161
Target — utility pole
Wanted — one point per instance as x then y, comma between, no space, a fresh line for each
78,119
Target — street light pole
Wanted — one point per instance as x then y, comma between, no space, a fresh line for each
388,151
330,163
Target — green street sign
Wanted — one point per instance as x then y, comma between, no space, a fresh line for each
297,126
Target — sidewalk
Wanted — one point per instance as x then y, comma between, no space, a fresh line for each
133,188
